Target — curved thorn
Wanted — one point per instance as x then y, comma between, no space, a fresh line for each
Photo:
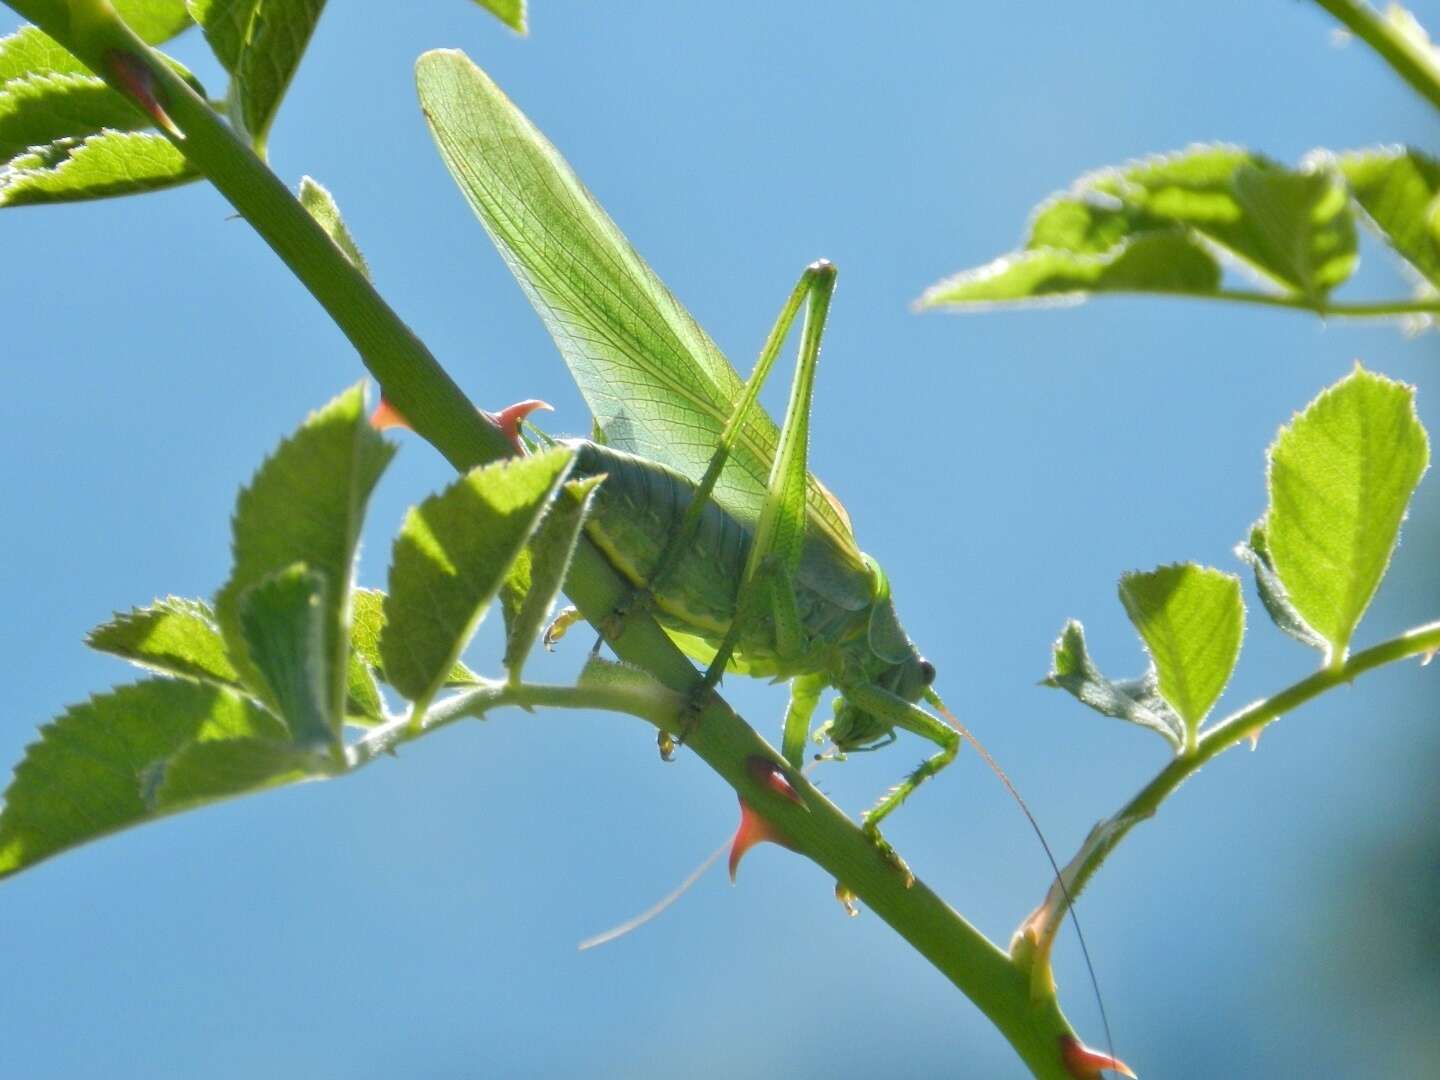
1084,1063
509,418
386,416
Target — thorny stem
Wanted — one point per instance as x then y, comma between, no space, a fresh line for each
1412,60
439,412
1040,929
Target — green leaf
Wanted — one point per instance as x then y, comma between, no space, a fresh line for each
1254,552
1192,620
278,34
510,12
260,42
1397,188
364,706
1162,261
39,109
1341,475
1292,226
224,24
528,592
305,505
205,771
449,560
322,207
367,623
655,382
1135,700
104,165
31,51
1296,227
174,636
284,620
95,769
154,21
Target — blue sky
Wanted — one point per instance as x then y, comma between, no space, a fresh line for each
420,919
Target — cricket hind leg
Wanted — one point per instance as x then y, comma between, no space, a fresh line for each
814,277
767,582
767,579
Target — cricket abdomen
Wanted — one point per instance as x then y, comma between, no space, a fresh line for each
637,510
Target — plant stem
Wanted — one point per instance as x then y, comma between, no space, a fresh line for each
413,381
1246,723
1378,309
439,412
1409,59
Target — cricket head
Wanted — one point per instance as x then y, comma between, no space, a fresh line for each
885,658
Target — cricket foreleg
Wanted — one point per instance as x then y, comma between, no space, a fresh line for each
899,712
805,693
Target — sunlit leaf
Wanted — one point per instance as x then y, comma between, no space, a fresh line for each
510,12
1192,620
1293,227
1166,262
97,768
173,635
322,207
260,42
1341,476
31,51
1398,188
39,109
449,560
305,505
367,622
104,165
530,587
154,21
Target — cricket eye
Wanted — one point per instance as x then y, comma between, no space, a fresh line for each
927,672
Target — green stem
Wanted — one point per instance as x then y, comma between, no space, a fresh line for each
413,381
439,412
659,706
1238,726
1409,59
1379,309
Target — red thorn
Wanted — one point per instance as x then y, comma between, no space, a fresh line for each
509,418
135,76
1085,1064
764,771
386,416
754,829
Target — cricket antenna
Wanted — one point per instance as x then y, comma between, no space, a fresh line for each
934,699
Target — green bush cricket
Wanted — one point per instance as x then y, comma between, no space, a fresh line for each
708,508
